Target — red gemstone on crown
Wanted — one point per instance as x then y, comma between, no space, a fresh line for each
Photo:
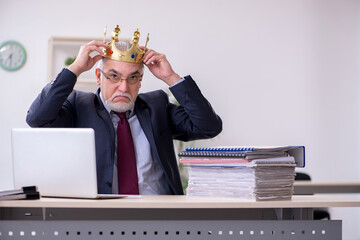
111,52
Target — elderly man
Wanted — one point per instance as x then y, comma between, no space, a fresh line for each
133,132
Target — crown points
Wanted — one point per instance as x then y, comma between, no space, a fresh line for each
137,33
132,55
116,33
105,33
136,36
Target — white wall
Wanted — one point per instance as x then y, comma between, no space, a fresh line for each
277,72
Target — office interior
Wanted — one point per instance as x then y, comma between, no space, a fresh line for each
278,72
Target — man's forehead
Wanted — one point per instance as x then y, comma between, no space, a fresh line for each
140,72
123,68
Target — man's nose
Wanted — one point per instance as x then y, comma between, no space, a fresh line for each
122,85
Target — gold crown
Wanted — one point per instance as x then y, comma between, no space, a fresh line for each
133,55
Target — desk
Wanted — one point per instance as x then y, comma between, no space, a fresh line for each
169,217
310,187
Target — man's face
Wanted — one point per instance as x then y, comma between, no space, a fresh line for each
119,95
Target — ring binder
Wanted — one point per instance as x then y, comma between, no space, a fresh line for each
298,152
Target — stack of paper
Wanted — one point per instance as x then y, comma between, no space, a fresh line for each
29,192
249,174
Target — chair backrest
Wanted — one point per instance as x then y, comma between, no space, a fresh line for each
302,177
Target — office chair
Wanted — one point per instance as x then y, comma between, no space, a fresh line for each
319,214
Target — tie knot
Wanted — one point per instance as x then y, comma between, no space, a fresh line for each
121,115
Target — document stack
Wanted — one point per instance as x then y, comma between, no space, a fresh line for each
29,192
251,173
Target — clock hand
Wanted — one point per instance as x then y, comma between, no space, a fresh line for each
9,58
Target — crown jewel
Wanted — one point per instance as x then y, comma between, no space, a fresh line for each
133,55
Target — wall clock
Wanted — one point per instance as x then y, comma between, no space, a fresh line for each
12,55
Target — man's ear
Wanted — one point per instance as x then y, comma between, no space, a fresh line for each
98,76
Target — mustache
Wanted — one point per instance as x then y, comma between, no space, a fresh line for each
120,94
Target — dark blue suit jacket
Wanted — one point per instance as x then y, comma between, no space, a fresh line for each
58,105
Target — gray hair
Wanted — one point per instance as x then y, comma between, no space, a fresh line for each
122,45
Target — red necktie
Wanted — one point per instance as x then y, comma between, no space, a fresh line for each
127,172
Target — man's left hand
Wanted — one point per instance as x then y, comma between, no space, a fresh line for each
160,67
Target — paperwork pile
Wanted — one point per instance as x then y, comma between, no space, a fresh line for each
28,192
247,173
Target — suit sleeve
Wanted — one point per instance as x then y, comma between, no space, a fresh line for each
194,118
52,107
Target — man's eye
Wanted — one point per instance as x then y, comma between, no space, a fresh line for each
113,76
133,77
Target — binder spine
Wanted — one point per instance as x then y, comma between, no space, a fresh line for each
211,154
242,149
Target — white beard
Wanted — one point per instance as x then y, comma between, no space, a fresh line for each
120,106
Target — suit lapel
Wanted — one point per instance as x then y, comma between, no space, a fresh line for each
143,114
103,113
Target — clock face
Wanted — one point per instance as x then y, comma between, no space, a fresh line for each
12,55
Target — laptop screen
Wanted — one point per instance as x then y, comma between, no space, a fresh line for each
61,162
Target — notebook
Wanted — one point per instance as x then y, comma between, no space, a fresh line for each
248,153
61,162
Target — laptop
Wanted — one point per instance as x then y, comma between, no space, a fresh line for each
61,162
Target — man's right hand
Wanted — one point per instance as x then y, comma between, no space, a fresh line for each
84,61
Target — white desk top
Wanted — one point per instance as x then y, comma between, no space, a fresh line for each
163,202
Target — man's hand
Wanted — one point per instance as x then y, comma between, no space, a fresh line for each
83,61
160,67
